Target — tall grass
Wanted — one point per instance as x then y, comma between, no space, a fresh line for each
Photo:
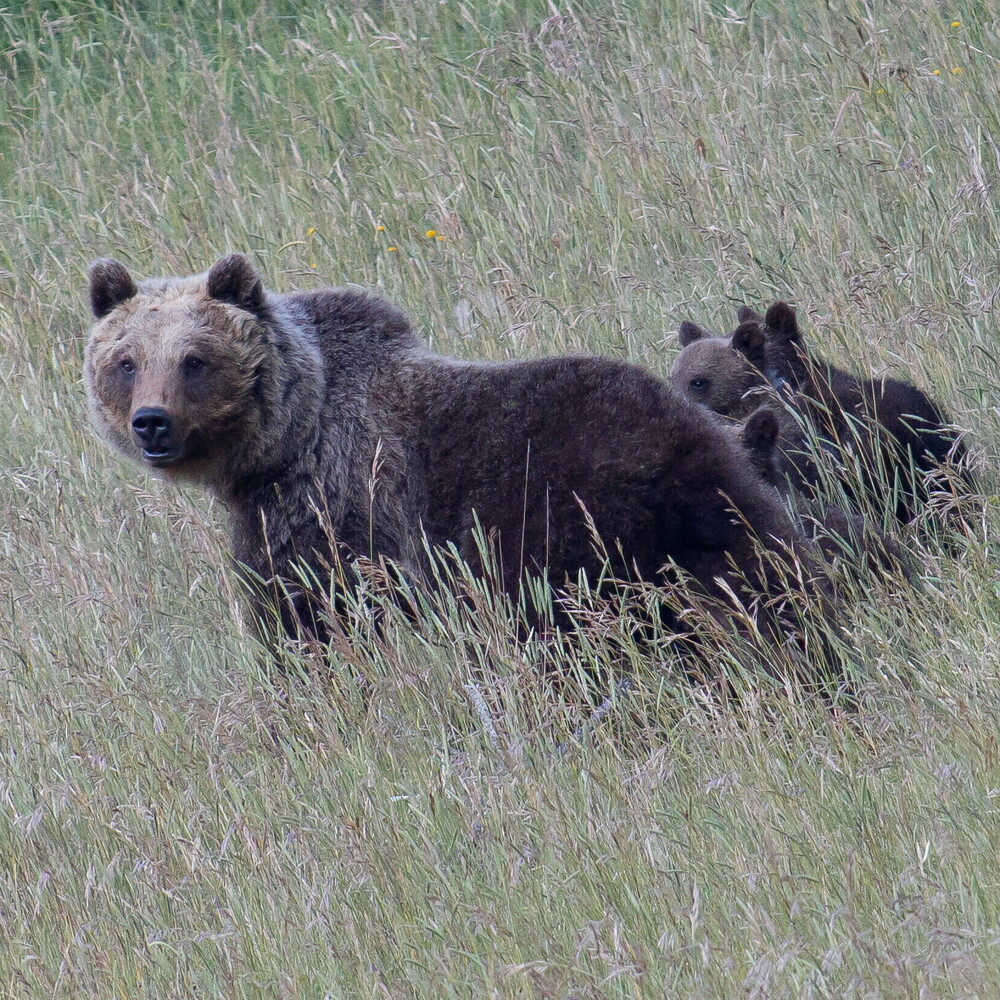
172,822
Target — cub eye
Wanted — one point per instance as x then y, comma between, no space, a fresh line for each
699,384
127,366
193,364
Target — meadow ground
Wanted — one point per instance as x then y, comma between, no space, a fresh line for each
526,178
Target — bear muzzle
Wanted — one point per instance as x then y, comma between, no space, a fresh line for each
152,426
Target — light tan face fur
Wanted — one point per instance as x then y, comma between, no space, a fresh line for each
171,349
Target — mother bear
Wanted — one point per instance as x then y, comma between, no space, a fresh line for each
330,433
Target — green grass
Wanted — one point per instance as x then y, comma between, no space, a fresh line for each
173,826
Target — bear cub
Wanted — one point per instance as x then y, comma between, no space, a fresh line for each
331,434
896,434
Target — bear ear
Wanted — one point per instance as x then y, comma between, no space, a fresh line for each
759,436
781,324
748,315
748,338
110,285
688,333
760,429
234,279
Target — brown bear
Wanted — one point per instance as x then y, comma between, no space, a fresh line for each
901,436
331,434
894,435
729,376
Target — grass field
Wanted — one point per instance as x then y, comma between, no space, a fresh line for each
525,178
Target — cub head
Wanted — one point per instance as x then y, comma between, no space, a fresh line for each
786,349
721,373
171,364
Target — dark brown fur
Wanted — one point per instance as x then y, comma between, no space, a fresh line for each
727,376
902,437
899,435
329,432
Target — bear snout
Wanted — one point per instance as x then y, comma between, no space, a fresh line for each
152,426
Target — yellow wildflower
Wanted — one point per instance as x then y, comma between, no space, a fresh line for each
390,248
440,239
937,72
310,230
380,229
430,234
956,24
956,70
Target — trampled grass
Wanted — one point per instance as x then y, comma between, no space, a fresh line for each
173,826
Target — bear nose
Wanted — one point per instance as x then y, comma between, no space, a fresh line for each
151,425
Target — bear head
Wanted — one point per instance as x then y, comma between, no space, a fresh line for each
724,374
786,350
171,365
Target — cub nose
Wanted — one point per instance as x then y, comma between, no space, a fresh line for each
151,425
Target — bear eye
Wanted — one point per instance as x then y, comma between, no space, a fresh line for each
127,365
699,384
193,364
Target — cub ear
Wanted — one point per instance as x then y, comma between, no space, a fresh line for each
760,429
781,324
748,338
110,285
748,315
688,333
234,279
759,436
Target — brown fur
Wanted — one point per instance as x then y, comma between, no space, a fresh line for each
329,432
724,374
898,433
727,376
901,435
